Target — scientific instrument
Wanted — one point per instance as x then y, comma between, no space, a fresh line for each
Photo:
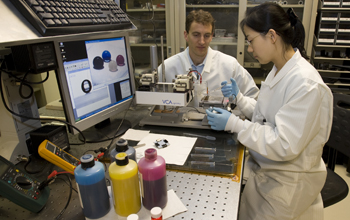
21,188
54,154
173,102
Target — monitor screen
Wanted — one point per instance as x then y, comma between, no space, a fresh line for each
95,77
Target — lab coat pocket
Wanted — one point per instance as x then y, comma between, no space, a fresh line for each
275,189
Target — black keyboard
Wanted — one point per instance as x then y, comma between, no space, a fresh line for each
58,17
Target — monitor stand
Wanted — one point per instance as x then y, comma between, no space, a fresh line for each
105,130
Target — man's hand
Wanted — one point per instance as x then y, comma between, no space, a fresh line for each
230,89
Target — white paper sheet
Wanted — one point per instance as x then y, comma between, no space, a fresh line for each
175,153
173,207
135,135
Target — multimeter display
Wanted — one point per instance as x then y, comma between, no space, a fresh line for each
57,156
3,168
51,147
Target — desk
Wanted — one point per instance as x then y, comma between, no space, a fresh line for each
205,196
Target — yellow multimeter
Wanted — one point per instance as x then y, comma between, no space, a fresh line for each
54,154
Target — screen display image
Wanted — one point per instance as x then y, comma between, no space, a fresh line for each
97,77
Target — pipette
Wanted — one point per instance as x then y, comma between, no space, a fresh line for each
202,136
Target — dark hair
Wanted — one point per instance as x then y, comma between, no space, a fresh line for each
199,16
287,25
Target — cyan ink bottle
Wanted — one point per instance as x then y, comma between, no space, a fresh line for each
92,187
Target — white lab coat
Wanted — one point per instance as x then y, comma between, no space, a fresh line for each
218,67
290,123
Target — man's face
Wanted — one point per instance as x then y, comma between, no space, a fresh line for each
198,39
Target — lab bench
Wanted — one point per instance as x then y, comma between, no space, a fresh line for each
209,189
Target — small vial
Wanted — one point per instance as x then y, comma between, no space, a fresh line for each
133,217
156,213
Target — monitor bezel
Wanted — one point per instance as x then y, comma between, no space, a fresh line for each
64,91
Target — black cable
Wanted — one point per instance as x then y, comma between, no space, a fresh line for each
26,81
110,144
69,197
32,118
34,172
22,82
67,184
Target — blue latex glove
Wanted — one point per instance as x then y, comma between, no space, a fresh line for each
230,89
218,120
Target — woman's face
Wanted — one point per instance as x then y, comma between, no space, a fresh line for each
259,45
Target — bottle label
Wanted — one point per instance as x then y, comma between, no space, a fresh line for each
141,184
81,202
113,194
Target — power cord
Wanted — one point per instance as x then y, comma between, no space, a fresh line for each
24,82
50,179
36,171
32,118
105,150
110,144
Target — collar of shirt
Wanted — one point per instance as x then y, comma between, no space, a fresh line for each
272,80
199,67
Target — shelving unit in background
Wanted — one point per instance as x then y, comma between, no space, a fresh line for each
331,49
228,37
152,22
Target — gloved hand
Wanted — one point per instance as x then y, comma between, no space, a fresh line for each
218,120
230,89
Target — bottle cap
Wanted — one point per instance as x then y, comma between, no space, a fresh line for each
133,217
156,212
122,159
151,154
121,145
87,161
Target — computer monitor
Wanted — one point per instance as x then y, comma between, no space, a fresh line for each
96,81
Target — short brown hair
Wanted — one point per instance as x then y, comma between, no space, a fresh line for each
199,16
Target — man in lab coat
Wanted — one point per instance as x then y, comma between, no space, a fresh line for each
213,66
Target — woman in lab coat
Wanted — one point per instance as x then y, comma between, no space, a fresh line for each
290,121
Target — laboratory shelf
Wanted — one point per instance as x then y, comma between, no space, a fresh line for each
145,45
213,43
283,6
332,71
212,6
331,46
145,10
330,59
